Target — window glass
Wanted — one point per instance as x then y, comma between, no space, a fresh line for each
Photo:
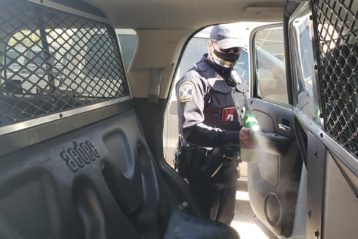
335,27
242,65
300,35
270,72
11,59
54,61
128,40
196,47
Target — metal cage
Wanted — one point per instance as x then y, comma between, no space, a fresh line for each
52,61
336,32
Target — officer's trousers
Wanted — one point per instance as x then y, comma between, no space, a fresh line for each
217,194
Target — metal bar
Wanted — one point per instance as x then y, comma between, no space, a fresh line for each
52,117
46,51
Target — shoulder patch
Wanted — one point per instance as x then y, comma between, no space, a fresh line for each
186,91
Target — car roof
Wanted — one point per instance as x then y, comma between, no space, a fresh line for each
184,14
164,27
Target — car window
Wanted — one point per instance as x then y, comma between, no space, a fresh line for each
196,47
270,72
335,31
65,63
242,66
128,40
11,59
306,92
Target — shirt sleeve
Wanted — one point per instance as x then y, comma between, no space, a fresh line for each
190,94
205,136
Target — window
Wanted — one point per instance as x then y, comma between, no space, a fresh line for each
300,34
11,59
129,42
242,66
336,28
54,61
270,75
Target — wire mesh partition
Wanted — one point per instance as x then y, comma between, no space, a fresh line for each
336,32
51,61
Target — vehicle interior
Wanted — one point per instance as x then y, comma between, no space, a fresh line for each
81,136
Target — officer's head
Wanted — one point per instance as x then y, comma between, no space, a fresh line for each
224,45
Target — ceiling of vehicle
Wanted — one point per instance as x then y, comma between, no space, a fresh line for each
185,14
163,27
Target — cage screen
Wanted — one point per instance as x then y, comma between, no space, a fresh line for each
336,31
53,61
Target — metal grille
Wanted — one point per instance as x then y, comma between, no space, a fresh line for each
53,61
336,31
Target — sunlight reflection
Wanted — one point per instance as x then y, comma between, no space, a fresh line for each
248,230
242,196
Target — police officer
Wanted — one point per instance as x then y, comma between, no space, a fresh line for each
210,135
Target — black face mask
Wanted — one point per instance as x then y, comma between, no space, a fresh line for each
230,57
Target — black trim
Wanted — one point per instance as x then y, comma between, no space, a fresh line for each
290,7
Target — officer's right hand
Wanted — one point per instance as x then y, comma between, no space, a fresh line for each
246,141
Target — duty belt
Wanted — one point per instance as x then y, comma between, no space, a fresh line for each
209,161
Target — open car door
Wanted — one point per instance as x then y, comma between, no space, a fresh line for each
273,180
314,128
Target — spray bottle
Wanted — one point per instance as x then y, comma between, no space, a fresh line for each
249,120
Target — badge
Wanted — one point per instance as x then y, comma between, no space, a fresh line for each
186,92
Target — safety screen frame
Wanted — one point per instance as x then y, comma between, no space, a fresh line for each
336,32
52,61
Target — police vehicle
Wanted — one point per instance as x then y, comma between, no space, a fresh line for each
81,152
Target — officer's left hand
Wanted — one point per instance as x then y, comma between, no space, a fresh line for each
246,141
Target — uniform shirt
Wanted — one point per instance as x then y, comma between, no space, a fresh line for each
206,110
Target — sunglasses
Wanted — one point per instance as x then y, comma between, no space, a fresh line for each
235,50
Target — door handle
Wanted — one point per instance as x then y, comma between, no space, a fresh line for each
284,127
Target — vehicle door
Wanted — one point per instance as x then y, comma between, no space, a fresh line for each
321,67
274,175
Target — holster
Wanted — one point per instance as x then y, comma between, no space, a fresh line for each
188,161
213,163
218,158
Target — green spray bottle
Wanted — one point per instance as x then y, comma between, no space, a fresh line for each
249,120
